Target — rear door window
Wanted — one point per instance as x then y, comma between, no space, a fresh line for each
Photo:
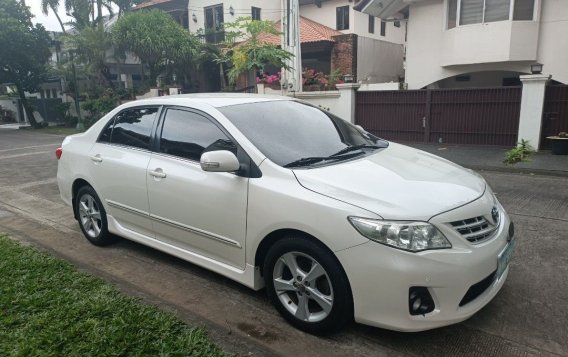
131,127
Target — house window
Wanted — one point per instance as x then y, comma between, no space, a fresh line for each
255,11
383,28
497,10
469,12
524,10
342,17
214,20
371,24
452,13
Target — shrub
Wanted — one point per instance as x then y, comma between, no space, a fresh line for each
98,106
521,152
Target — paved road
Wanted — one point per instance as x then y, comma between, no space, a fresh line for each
529,317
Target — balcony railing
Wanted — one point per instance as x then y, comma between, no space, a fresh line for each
212,37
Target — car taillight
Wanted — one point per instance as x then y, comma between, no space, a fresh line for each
58,153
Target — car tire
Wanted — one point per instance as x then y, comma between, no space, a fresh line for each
91,216
315,299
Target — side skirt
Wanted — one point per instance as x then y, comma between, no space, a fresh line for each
249,277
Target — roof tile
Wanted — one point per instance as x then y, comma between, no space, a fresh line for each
310,31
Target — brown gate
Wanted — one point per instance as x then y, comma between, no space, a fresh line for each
555,113
481,116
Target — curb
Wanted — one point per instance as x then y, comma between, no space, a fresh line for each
517,170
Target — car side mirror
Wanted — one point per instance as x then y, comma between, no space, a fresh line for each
219,161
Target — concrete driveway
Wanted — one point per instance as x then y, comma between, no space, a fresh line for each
529,317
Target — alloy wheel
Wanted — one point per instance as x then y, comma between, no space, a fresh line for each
90,216
303,286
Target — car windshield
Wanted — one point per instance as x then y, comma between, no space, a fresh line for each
294,134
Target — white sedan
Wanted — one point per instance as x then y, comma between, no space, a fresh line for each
336,223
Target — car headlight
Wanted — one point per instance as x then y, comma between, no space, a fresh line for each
411,236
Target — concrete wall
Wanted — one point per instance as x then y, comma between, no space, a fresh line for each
340,102
435,53
476,80
379,61
491,42
11,104
370,87
552,41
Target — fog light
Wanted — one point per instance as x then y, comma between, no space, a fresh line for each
420,301
511,231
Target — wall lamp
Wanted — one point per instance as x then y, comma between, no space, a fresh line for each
536,68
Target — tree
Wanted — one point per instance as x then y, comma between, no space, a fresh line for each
157,40
53,5
91,45
25,51
79,11
125,5
252,53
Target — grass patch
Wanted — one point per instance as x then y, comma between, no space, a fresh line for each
47,308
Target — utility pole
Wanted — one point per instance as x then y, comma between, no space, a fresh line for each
292,77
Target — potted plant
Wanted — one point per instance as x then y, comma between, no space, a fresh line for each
312,80
559,143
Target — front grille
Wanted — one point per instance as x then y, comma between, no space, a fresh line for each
477,289
474,229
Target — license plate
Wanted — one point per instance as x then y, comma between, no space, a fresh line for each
504,258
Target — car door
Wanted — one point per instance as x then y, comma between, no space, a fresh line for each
119,160
203,212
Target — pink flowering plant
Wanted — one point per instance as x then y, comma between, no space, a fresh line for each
269,79
320,81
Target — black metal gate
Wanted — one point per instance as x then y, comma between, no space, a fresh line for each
480,116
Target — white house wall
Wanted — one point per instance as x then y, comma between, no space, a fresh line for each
433,54
358,21
553,41
270,10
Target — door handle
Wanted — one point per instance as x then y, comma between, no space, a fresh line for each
97,158
158,173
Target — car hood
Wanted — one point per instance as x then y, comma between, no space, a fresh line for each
399,183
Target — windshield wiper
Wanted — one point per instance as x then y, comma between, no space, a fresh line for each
305,161
355,148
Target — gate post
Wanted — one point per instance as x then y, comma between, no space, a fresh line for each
347,93
532,106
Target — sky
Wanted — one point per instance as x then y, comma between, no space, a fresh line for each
50,21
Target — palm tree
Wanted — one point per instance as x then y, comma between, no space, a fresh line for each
53,5
125,5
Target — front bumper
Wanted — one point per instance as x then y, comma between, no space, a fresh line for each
381,276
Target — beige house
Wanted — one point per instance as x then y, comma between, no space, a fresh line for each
478,43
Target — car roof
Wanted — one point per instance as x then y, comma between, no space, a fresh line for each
216,100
